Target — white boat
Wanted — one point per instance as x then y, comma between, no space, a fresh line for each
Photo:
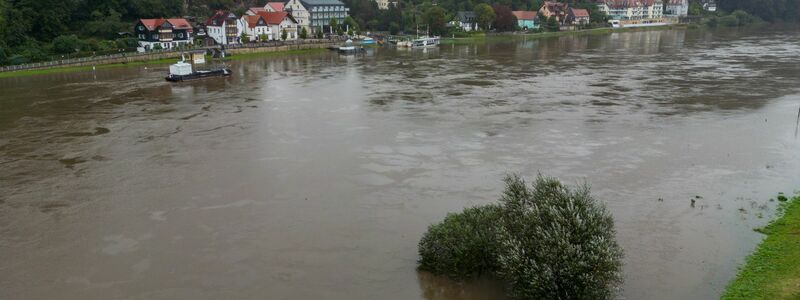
428,41
349,48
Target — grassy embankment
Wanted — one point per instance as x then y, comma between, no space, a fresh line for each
56,70
773,270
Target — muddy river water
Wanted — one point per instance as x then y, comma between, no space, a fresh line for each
314,176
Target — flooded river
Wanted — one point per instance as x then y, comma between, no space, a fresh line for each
314,176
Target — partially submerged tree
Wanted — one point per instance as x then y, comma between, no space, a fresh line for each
544,241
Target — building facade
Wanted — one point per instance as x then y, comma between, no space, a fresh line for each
577,16
466,20
527,20
163,33
676,8
321,12
299,12
632,9
225,28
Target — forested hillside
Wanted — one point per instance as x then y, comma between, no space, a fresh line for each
769,10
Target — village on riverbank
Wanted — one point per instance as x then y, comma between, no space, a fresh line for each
314,24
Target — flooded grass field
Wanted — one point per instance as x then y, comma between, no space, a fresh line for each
313,176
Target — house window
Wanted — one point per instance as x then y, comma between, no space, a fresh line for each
141,28
180,35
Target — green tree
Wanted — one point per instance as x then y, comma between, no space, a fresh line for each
263,37
552,24
283,34
484,15
65,44
436,19
244,38
303,33
394,28
334,25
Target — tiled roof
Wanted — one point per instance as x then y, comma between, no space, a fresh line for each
152,24
255,10
525,15
252,21
580,12
275,18
277,6
220,16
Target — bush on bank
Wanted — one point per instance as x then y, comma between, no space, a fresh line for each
544,241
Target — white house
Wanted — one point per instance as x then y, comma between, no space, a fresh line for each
256,27
299,13
632,9
279,22
677,8
225,28
466,20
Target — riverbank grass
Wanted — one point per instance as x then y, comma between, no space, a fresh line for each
773,270
164,61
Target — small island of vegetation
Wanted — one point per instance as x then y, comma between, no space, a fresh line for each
544,241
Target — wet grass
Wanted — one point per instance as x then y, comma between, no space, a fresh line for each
58,70
773,270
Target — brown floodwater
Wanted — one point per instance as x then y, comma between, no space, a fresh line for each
314,176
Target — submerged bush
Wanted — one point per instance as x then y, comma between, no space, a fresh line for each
544,241
463,245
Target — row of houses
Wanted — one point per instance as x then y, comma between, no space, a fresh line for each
628,11
529,20
266,23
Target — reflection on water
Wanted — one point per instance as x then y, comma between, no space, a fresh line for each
314,176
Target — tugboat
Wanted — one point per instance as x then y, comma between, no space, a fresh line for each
182,71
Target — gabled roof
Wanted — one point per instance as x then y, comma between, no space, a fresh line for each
220,16
465,16
255,10
252,21
276,6
579,12
554,6
275,18
152,24
525,15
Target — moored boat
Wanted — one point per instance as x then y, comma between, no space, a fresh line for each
183,71
428,41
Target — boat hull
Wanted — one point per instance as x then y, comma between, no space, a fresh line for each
198,75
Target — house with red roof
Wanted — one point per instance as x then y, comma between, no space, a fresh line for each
280,22
577,16
527,20
163,33
225,28
268,26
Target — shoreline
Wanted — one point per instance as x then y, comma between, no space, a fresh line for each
772,270
164,61
483,37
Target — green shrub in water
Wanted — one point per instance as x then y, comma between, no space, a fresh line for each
463,245
545,241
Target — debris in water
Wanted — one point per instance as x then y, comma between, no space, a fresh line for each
692,203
